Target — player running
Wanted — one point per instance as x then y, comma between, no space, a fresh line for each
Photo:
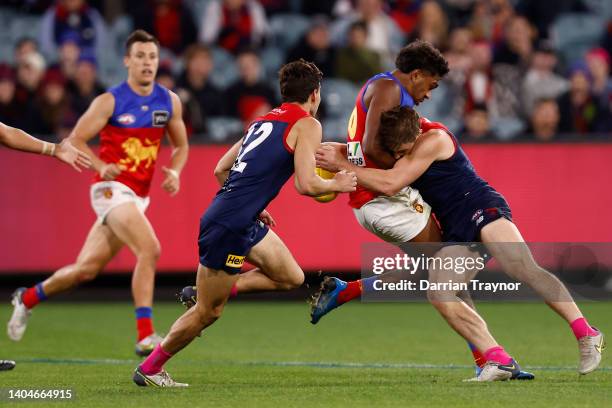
17,139
131,118
468,209
256,168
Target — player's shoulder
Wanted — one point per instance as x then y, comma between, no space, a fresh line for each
308,123
104,102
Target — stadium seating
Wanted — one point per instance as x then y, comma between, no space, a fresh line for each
574,33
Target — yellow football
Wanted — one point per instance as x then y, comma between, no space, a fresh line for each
327,197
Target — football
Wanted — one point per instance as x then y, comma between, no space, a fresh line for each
327,175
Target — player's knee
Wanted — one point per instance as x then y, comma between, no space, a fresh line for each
87,271
208,314
150,252
294,281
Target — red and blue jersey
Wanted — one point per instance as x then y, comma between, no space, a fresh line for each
133,134
462,201
263,165
356,131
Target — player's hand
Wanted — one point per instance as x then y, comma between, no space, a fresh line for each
69,154
331,157
267,219
172,182
109,171
346,181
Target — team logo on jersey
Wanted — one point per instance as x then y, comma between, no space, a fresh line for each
126,119
138,153
476,214
417,207
355,154
160,118
107,193
234,261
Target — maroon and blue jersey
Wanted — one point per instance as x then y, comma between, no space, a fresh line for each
133,134
263,165
462,201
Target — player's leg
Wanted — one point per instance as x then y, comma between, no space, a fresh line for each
465,320
131,226
99,248
505,243
214,288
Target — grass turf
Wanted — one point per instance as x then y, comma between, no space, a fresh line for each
267,354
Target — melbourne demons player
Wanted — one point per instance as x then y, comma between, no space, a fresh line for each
469,209
131,118
254,170
17,139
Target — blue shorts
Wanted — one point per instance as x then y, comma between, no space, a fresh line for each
464,225
224,249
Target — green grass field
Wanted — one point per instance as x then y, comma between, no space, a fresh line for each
267,354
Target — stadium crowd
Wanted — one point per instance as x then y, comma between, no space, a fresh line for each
521,70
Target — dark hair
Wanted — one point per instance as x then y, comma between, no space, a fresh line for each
421,55
298,79
358,25
139,36
398,126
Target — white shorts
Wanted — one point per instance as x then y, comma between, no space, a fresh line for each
107,195
396,219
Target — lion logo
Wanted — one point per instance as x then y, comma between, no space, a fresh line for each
137,153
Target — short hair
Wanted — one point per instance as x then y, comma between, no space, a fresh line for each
139,36
195,49
398,126
298,79
358,25
421,55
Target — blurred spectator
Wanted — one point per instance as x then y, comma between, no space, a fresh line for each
53,103
76,20
598,61
541,81
458,54
316,47
200,97
84,86
405,13
336,8
28,6
8,109
69,53
275,6
165,78
477,125
234,24
489,19
479,87
250,96
168,20
23,47
432,25
544,12
355,62
578,107
544,120
30,73
383,33
517,47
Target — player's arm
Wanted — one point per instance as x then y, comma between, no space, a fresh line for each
88,126
308,135
430,147
386,96
177,134
226,162
17,139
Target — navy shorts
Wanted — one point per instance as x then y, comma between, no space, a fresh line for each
224,249
465,224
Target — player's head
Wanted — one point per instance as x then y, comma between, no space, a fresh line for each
424,65
398,130
141,57
300,82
